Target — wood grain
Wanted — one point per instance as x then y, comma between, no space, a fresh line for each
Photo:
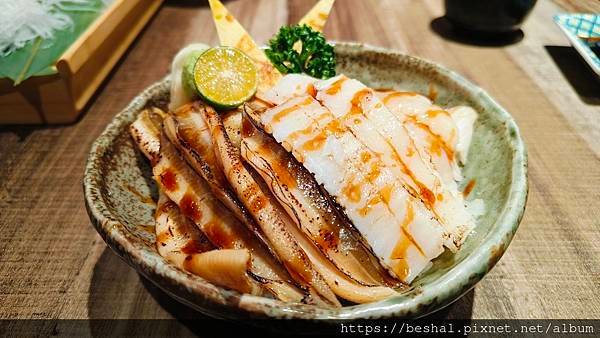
578,6
54,265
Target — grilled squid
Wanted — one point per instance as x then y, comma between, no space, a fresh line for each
184,187
268,214
183,244
338,254
399,228
189,192
145,131
188,132
318,189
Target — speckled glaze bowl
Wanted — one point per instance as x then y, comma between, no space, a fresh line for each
119,190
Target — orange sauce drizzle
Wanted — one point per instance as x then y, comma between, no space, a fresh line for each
335,87
217,235
311,90
394,95
437,143
315,143
401,248
352,192
168,179
306,131
365,156
334,127
356,102
384,195
401,268
370,204
374,172
400,251
323,117
190,208
285,112
424,193
431,114
468,188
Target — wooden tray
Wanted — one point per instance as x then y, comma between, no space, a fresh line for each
60,97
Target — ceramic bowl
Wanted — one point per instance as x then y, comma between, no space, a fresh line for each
119,190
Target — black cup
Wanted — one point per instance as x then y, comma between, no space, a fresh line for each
488,16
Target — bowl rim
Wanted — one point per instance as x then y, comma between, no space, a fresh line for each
422,301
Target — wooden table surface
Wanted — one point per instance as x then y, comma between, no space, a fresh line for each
54,265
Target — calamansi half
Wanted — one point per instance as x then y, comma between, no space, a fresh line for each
225,77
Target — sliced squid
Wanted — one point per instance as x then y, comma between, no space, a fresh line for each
188,132
465,118
184,187
350,189
232,120
338,254
453,126
357,108
145,131
290,86
194,200
180,242
310,206
401,231
432,130
268,215
409,103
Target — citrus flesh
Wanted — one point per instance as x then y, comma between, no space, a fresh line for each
225,77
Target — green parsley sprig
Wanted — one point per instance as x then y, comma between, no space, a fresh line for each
300,49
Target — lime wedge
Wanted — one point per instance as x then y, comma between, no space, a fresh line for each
225,77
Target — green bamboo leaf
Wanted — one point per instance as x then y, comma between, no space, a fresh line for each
39,56
35,47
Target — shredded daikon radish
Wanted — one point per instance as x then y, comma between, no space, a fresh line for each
22,21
